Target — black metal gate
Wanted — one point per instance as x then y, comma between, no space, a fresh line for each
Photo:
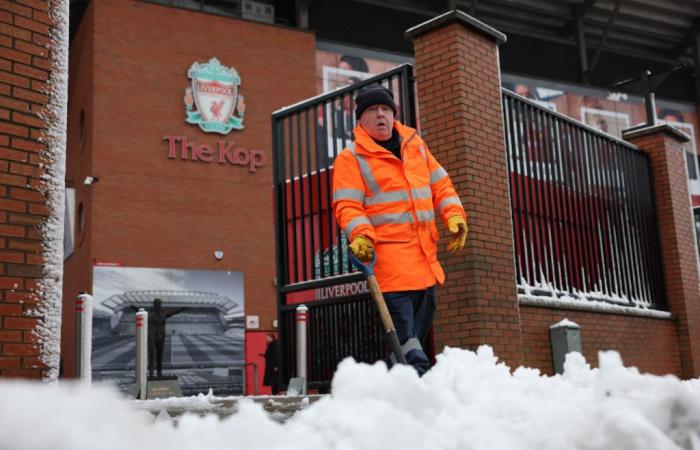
312,263
583,211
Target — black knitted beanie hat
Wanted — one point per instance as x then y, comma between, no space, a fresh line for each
373,94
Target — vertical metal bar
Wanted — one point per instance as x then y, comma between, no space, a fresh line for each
588,167
635,226
622,197
533,180
292,187
648,239
330,343
525,203
411,119
604,210
653,236
613,217
584,209
578,157
512,184
630,233
79,309
141,352
302,210
319,191
562,203
543,187
337,234
575,269
596,144
558,182
281,255
553,192
310,251
621,219
329,193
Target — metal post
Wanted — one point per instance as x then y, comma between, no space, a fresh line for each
565,338
301,318
255,378
141,351
78,335
649,103
83,336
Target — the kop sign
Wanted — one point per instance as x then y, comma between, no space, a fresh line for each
214,103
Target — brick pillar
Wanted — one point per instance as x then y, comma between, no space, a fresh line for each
459,93
30,262
664,145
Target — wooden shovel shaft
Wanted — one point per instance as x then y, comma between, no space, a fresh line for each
381,304
388,323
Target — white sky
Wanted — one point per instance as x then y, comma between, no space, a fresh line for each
467,401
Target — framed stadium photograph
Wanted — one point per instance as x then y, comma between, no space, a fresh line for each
196,326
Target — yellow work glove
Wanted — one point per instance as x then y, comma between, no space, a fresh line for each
362,248
458,227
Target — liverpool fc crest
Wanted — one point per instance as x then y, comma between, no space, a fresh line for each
213,100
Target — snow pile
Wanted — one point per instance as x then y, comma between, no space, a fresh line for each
467,401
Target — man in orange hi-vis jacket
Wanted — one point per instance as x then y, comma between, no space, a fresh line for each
387,191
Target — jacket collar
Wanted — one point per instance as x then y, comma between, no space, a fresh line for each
368,145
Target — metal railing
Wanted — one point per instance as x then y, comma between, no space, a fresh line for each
311,249
583,212
335,329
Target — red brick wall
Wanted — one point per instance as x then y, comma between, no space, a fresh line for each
77,269
151,211
647,343
24,71
458,84
678,249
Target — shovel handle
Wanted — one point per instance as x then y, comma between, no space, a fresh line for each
386,318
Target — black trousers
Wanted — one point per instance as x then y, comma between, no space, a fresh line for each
412,313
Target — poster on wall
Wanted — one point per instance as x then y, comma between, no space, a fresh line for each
336,70
198,333
613,112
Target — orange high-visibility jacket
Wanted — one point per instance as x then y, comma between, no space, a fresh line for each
394,204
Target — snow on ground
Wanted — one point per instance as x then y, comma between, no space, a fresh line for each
467,401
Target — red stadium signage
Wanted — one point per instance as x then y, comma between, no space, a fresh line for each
225,152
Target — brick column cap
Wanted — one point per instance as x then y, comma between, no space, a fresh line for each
455,16
636,132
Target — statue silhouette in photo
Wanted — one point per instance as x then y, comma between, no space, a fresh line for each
157,316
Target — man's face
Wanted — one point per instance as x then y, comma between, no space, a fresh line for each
378,121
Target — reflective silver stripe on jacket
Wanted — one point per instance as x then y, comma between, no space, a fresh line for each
454,200
425,215
422,152
421,193
360,220
349,194
437,175
383,219
365,171
386,197
379,197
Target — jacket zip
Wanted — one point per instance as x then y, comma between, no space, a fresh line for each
410,195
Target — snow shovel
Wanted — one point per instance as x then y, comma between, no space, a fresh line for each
368,270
